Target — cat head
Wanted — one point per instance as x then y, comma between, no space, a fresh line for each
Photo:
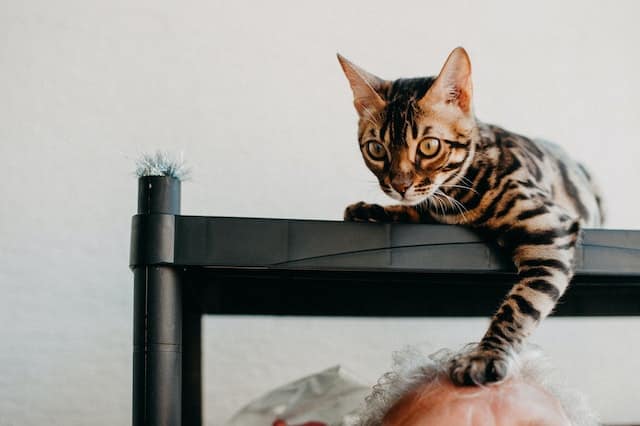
415,134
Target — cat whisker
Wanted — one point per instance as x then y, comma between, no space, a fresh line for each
455,204
459,186
440,206
466,180
463,179
445,207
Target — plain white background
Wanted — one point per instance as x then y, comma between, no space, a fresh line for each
252,95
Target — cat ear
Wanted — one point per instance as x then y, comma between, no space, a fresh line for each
453,85
364,85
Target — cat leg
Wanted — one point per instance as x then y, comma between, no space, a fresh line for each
543,252
364,212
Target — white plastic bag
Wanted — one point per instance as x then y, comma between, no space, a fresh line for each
328,397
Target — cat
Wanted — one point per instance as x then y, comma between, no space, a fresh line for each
422,141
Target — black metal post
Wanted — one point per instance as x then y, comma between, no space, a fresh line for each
191,353
157,324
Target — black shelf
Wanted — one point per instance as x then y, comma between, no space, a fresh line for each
188,266
360,247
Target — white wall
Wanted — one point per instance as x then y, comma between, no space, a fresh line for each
253,96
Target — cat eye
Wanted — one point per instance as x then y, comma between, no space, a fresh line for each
429,147
376,150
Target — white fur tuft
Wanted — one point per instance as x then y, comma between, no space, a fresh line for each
162,164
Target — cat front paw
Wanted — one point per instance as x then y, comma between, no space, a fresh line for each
364,212
479,367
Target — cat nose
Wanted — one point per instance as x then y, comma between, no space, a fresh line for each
401,186
401,181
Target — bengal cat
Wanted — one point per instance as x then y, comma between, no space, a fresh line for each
422,141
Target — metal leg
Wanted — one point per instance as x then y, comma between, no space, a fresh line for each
157,343
192,356
157,309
